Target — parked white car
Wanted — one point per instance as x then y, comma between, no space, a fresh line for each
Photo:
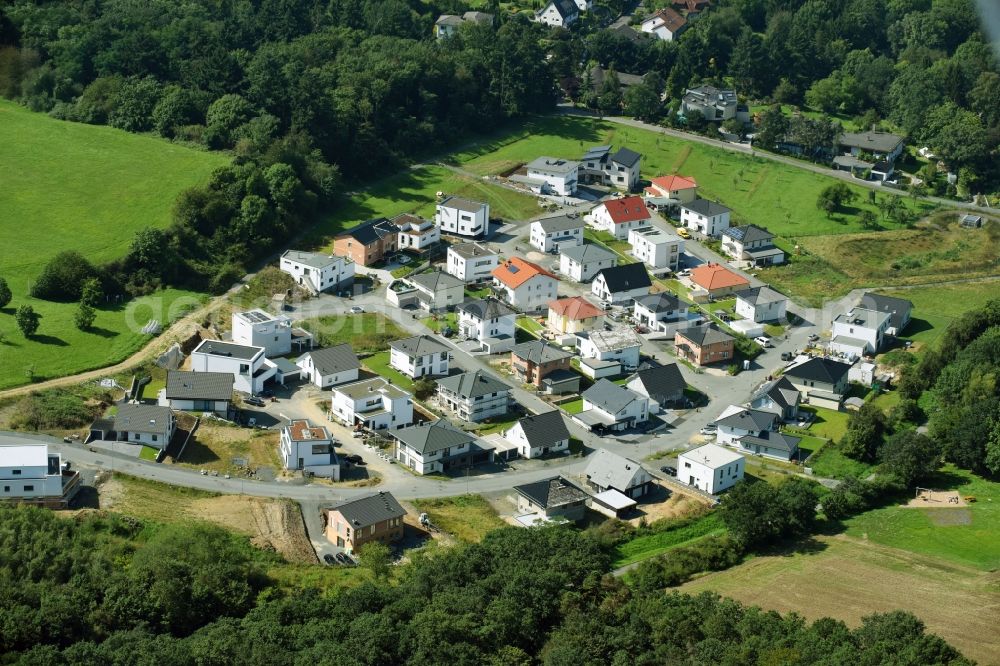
763,341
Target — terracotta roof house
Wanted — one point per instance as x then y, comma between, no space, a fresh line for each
619,216
718,280
524,284
573,314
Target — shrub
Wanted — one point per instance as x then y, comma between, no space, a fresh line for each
63,277
713,553
27,320
55,409
5,294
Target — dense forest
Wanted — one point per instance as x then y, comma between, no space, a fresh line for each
308,94
104,589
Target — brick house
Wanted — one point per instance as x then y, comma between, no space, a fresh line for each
533,361
704,345
376,517
369,242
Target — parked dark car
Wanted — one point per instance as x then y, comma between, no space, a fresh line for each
329,559
355,459
267,393
668,470
254,400
787,356
344,558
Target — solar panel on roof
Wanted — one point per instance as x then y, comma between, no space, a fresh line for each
513,268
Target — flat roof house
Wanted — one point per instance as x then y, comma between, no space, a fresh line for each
257,328
715,104
551,175
656,248
710,468
248,365
303,446
30,474
463,217
620,344
898,309
555,498
330,366
474,396
859,332
471,262
539,434
318,272
198,392
375,517
437,447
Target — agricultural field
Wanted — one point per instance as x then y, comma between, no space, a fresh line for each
777,196
87,188
848,578
415,191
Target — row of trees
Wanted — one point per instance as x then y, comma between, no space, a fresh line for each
90,591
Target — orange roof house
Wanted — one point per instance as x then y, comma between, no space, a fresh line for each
573,314
524,285
627,209
718,280
516,271
682,188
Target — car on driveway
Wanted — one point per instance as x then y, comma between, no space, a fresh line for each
254,400
787,356
354,459
329,559
763,341
709,430
344,558
668,470
813,337
357,309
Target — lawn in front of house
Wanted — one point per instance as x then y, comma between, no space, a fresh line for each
467,517
365,332
826,422
530,324
439,321
379,364
148,453
573,406
415,191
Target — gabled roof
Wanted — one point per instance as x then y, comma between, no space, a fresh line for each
675,183
773,440
449,19
661,302
487,308
662,382
587,252
369,510
716,276
897,308
575,308
551,493
669,19
625,157
705,207
751,420
760,296
559,223
544,429
824,370
419,345
432,436
472,384
334,359
609,396
610,470
183,385
704,335
626,209
748,233
434,280
780,390
151,419
625,277
371,231
596,153
566,8
539,351
516,271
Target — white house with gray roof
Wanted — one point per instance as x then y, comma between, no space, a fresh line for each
490,321
471,262
247,364
656,248
778,396
372,403
610,471
663,385
198,392
539,434
151,425
318,272
710,468
463,217
437,290
275,334
707,217
419,356
859,332
736,421
31,473
551,175
750,245
474,396
554,233
558,13
615,169
760,304
663,313
435,447
608,406
331,366
620,344
898,309
582,262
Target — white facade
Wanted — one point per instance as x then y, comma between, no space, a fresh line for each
28,470
472,325
308,448
711,224
256,328
515,435
471,262
628,416
318,272
868,327
438,290
534,294
664,321
584,270
657,26
547,241
554,175
463,217
601,220
416,233
248,365
620,345
656,248
600,289
322,379
373,403
759,310
421,364
551,16
710,468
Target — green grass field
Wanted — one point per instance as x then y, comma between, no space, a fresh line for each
573,406
651,545
966,535
934,307
779,197
379,364
366,332
85,188
414,191
467,517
